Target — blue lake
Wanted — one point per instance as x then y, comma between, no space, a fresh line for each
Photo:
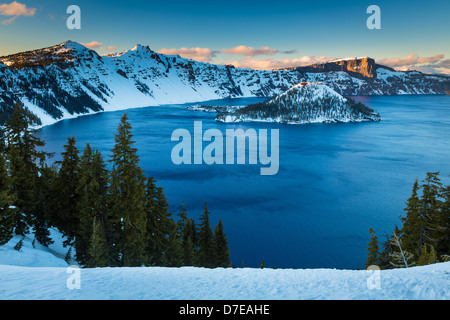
335,181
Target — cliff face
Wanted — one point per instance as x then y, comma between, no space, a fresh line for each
358,67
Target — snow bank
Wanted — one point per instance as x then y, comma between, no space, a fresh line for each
155,283
42,273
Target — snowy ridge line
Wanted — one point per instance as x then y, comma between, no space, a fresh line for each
189,283
40,273
69,79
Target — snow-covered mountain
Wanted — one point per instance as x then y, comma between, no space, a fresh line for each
69,79
305,102
363,76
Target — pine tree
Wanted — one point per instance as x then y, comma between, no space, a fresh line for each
65,202
412,230
386,250
171,244
92,189
98,253
205,241
431,208
263,264
25,158
373,255
7,211
154,233
443,246
173,253
127,198
222,254
41,219
427,255
187,233
400,258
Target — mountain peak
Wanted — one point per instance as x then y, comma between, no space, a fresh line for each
61,54
140,47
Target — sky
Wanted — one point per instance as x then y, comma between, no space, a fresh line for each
246,33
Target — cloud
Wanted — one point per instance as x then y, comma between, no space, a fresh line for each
16,9
271,63
198,54
208,55
410,60
250,52
433,64
290,51
98,45
9,21
93,45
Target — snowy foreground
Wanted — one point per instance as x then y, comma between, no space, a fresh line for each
41,273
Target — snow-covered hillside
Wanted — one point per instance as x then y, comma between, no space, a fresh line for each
305,102
69,79
41,273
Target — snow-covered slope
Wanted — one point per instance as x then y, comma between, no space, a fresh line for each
41,273
305,102
69,79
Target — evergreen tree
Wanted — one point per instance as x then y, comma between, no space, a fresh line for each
65,202
443,246
187,233
386,250
42,216
263,264
431,206
222,254
127,198
154,234
7,210
373,255
25,159
172,255
427,255
412,230
99,250
400,258
205,241
92,189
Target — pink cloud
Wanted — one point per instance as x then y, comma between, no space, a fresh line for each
16,9
433,64
249,51
9,21
271,63
198,54
409,60
93,45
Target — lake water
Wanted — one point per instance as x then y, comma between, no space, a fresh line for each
335,181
